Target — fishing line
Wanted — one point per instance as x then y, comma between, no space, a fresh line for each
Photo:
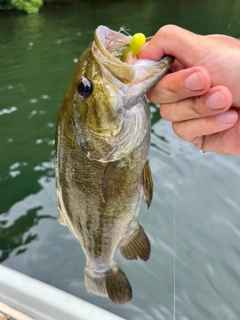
156,56
174,227
174,211
123,30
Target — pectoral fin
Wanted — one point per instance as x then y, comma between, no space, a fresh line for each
146,186
137,245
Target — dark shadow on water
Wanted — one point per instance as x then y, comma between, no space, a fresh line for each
155,114
18,234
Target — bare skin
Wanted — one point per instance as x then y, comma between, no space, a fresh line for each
202,97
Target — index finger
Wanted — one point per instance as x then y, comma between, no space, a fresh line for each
172,40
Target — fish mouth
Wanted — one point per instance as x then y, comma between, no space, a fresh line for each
108,49
110,42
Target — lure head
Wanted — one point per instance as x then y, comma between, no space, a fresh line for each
134,46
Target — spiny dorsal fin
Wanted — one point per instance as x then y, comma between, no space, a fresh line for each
137,245
146,186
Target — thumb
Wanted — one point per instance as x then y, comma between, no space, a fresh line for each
175,41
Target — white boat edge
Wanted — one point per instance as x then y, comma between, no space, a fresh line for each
40,301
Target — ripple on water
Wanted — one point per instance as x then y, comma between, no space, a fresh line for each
13,172
8,111
37,63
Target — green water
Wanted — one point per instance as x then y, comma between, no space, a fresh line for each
37,54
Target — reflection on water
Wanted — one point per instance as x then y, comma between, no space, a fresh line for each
37,57
18,235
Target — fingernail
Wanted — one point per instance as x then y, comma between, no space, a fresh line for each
216,101
228,117
195,82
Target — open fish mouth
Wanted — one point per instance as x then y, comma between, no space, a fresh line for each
111,42
115,42
118,43
108,50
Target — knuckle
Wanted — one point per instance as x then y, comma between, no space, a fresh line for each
153,96
164,112
175,113
167,30
173,85
204,124
198,142
160,93
168,111
198,106
178,129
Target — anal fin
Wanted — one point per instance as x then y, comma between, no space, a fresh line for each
146,185
137,245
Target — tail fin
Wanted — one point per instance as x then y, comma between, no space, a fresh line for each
112,284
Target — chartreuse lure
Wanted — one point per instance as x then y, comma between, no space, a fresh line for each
135,44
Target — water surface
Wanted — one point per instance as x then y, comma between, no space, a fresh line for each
37,56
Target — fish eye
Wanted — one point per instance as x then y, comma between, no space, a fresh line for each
85,88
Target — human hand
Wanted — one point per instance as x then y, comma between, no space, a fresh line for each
203,96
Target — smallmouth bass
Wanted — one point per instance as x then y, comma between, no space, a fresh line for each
101,158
